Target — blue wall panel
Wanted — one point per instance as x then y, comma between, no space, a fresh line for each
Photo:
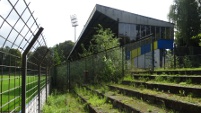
145,49
128,55
165,44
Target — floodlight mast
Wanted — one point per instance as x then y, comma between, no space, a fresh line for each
74,24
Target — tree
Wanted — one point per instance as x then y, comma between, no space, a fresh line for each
38,55
14,58
56,57
199,1
199,4
104,46
10,56
104,39
62,50
186,16
198,38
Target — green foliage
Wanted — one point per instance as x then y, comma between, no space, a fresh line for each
197,38
108,70
63,103
10,57
183,61
189,81
144,78
171,79
176,80
77,69
104,40
106,56
56,57
170,60
128,77
14,60
85,51
96,101
61,51
186,16
61,78
187,62
41,56
182,92
101,42
159,78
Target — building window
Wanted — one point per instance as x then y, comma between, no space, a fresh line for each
121,29
153,31
133,32
167,32
124,33
172,33
158,32
163,32
147,29
138,35
143,31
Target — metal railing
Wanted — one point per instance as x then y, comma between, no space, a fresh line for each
23,64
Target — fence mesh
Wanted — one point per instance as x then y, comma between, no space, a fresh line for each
17,29
184,57
105,66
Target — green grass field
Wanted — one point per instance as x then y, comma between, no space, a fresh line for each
10,91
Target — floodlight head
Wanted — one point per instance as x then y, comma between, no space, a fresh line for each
74,20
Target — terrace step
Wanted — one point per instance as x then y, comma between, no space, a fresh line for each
169,88
84,100
193,79
174,72
103,108
128,104
163,99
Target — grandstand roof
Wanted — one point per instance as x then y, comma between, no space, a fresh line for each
109,18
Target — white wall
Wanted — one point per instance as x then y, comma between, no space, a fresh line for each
144,61
32,106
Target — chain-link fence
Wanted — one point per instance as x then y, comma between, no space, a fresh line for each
105,66
182,57
109,65
23,64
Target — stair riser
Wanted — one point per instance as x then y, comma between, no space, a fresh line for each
195,92
169,104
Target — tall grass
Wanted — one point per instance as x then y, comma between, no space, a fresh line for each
63,103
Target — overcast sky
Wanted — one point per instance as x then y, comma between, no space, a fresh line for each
54,15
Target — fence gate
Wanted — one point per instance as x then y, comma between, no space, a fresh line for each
24,80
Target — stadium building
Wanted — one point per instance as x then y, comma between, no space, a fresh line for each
145,39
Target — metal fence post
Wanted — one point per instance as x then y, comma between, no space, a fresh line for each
46,83
39,74
69,76
152,54
174,51
24,69
123,60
